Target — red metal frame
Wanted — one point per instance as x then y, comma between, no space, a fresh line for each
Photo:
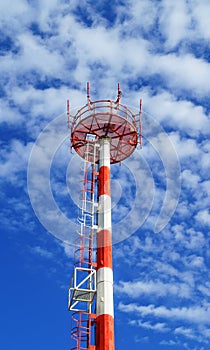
106,118
83,322
81,330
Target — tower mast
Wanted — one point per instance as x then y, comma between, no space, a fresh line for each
104,276
103,132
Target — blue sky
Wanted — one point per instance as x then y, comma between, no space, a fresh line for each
159,51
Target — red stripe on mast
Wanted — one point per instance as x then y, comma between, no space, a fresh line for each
104,181
105,333
104,256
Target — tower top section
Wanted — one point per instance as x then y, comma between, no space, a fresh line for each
105,119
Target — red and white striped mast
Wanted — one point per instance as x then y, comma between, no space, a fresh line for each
104,276
111,132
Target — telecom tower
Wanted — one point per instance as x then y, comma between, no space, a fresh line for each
103,132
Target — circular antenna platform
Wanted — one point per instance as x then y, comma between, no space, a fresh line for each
105,118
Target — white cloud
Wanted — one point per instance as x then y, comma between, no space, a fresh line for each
180,114
186,148
143,14
42,252
160,327
156,287
203,217
194,314
200,10
187,332
11,11
68,249
184,72
205,288
169,343
190,180
174,22
15,160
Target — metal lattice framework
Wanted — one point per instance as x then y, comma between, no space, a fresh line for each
106,118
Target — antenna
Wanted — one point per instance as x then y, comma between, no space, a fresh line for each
88,93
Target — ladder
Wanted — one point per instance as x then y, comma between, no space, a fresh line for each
82,288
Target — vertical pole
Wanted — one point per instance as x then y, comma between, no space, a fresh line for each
104,301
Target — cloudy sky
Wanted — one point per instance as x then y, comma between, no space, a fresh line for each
159,51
